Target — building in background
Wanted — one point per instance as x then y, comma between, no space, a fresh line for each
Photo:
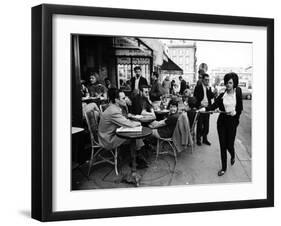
183,53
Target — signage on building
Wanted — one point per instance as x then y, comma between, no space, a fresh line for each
132,52
123,60
141,61
138,61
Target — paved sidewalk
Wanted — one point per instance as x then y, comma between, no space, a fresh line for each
199,167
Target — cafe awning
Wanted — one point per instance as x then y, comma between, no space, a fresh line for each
171,67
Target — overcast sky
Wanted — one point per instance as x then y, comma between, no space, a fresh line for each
224,54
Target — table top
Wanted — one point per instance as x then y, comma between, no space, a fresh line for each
135,135
91,99
164,111
76,130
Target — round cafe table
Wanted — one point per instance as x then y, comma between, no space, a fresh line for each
133,136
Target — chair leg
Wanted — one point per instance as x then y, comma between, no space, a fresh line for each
91,161
157,149
115,161
174,150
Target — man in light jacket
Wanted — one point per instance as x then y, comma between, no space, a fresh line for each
112,118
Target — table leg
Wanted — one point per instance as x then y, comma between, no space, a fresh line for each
136,177
133,155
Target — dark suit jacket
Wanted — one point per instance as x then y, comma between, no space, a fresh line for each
141,82
155,92
199,94
183,86
219,104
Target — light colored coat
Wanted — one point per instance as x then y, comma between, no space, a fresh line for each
182,136
110,120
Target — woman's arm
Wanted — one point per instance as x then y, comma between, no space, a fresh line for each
216,104
157,124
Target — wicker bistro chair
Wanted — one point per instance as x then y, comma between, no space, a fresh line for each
97,151
193,130
170,142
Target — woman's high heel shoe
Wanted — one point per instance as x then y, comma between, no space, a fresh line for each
232,161
221,173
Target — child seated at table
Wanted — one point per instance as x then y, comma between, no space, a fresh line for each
165,128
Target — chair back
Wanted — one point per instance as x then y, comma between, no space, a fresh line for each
103,107
92,119
192,128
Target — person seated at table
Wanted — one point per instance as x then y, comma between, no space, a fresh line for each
186,95
125,109
165,128
84,90
96,89
112,118
142,105
107,83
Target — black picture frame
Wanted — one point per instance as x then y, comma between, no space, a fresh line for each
42,107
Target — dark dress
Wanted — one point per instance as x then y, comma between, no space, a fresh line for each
155,92
168,130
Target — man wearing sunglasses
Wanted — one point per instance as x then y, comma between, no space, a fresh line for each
142,105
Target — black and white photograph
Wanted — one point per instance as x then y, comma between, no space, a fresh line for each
139,112
148,112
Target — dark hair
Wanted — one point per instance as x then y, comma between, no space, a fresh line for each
180,77
113,93
173,102
143,87
106,79
192,102
137,68
232,76
156,74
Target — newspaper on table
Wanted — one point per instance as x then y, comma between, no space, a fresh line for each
129,129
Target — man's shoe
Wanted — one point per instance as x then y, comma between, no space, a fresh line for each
198,142
232,161
221,173
206,142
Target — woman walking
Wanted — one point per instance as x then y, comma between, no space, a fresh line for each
230,105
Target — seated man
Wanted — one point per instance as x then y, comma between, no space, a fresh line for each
165,128
142,105
112,118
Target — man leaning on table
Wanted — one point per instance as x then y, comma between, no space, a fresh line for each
112,118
